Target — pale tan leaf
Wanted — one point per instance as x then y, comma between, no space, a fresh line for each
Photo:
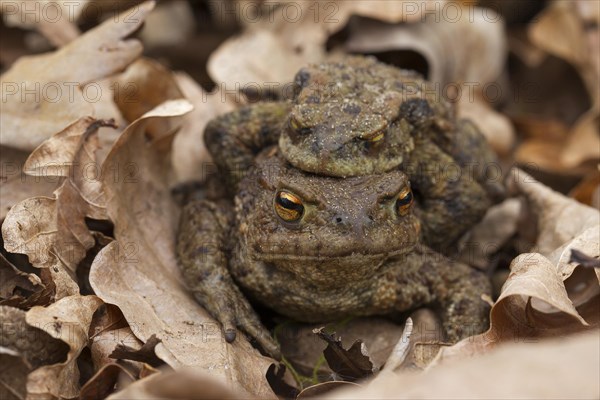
583,143
587,242
391,12
54,19
170,24
138,272
68,320
565,368
495,126
534,276
190,157
16,185
186,383
559,219
566,29
53,80
53,232
490,234
144,85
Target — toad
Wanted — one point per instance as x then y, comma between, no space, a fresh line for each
318,248
357,116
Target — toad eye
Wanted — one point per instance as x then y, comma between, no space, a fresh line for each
297,126
404,201
288,206
375,136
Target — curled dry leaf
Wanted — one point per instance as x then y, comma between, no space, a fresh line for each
558,218
349,365
534,301
20,289
557,368
53,80
144,85
30,342
68,320
138,272
278,42
16,185
31,228
569,30
490,234
52,232
300,348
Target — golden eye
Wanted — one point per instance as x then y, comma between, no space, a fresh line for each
404,201
295,124
288,206
374,136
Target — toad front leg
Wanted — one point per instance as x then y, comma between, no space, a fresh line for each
451,201
424,277
202,256
233,139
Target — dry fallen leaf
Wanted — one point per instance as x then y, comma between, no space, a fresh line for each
569,30
186,383
53,19
277,43
484,239
19,289
44,93
534,301
68,320
16,185
31,228
190,157
53,232
138,272
144,85
565,368
558,218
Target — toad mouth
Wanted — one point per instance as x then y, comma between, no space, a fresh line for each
341,256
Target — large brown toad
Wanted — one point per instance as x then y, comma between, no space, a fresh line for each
358,116
318,248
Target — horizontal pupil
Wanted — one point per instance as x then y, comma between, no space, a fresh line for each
405,200
289,204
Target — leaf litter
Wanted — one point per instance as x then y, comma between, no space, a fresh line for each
73,182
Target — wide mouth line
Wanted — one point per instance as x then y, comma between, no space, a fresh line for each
339,256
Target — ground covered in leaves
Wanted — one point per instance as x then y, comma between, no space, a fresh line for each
103,108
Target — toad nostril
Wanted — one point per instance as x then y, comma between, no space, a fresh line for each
371,218
338,220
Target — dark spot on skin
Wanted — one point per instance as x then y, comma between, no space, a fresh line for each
314,99
302,78
264,131
202,250
245,112
345,76
416,111
351,109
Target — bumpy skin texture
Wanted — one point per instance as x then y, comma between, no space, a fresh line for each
352,252
359,117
